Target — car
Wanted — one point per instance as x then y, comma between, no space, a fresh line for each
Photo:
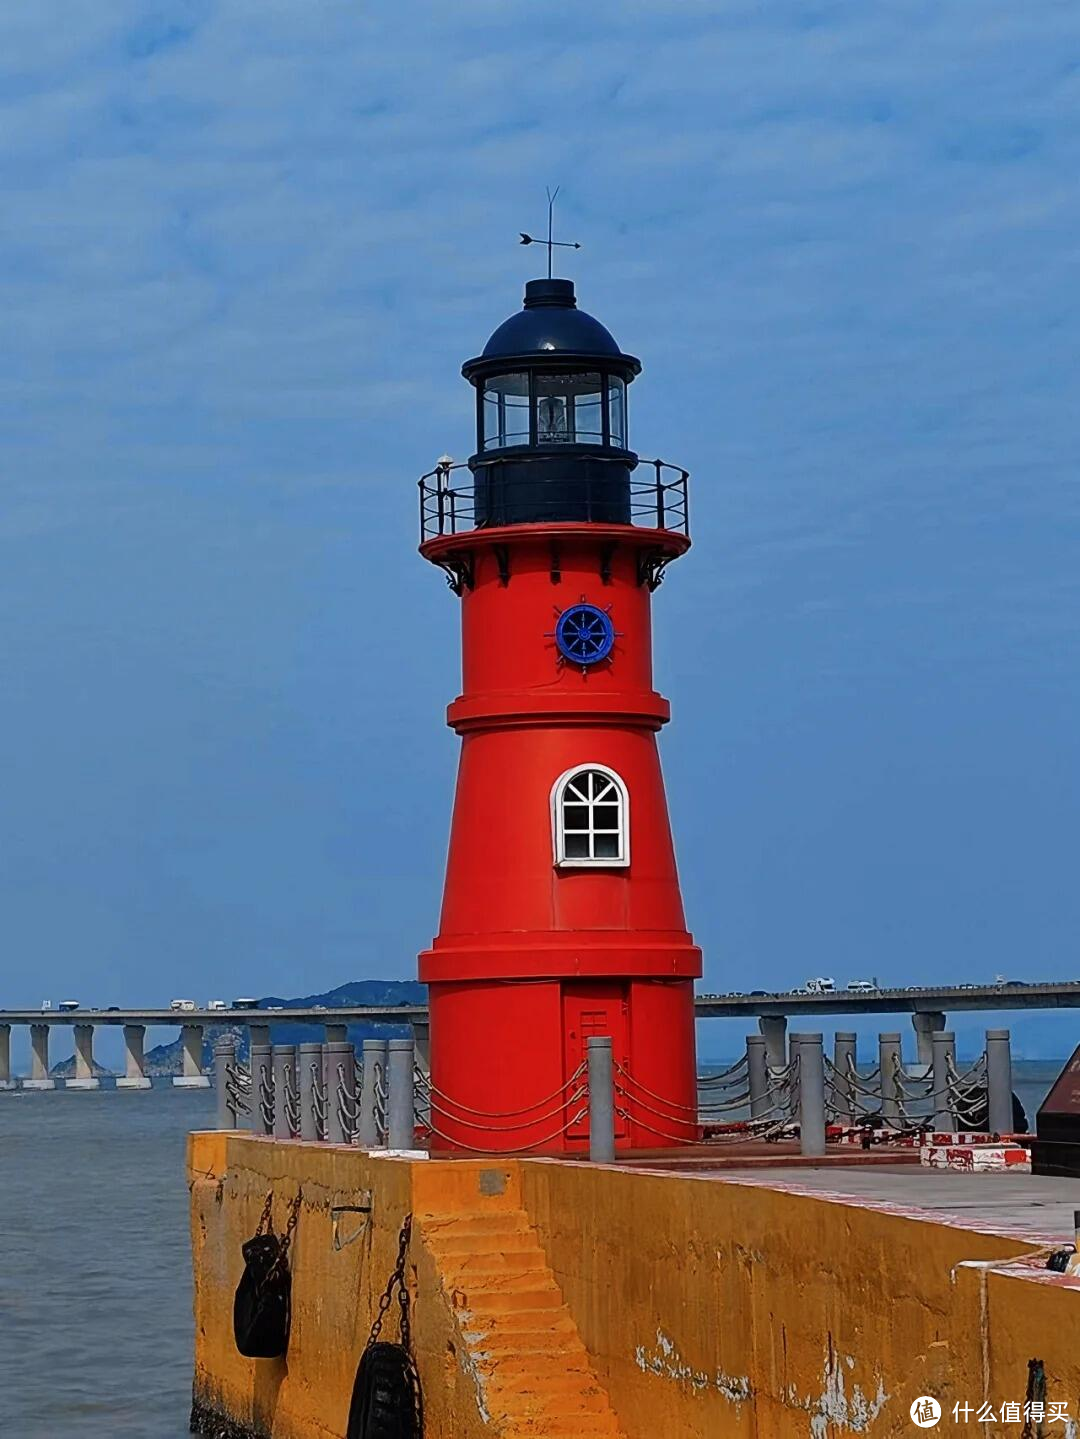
113,1009
861,986
758,993
798,991
245,1004
319,1006
1017,983
275,1007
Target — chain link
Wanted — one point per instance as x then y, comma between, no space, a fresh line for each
396,1281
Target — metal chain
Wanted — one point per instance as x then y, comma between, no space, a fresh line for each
397,1280
266,1219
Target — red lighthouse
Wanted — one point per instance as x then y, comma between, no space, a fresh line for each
561,915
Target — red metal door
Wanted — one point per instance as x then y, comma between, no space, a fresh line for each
594,1010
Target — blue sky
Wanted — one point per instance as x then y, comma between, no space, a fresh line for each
244,249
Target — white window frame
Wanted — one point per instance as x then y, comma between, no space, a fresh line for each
558,831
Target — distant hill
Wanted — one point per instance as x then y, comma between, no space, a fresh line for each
384,993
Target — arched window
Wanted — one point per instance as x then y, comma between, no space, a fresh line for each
590,812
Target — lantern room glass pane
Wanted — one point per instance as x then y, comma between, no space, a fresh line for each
506,411
569,409
617,411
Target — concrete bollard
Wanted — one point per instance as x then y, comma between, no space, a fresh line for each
422,1042
758,1073
601,1100
340,1056
401,1103
283,1058
999,1081
191,1044
370,1133
811,1055
224,1060
134,1075
39,1059
84,1059
844,1098
944,1058
889,1054
262,1085
309,1066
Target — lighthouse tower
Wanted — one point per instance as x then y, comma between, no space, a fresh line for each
561,917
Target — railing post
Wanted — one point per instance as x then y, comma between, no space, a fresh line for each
339,1056
659,496
401,1104
262,1083
758,1072
808,1047
844,1102
367,1132
309,1069
999,1081
284,1060
601,1100
224,1060
888,1060
944,1108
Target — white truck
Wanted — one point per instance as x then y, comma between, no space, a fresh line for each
823,984
184,1004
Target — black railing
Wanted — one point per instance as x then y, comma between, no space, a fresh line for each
452,503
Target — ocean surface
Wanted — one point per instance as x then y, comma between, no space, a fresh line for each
95,1283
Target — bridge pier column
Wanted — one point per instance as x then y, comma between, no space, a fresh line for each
6,1081
39,1059
134,1076
191,1075
774,1028
927,1022
422,1045
84,1059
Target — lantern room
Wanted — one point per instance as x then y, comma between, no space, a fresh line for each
552,442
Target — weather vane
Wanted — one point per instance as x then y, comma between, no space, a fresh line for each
549,242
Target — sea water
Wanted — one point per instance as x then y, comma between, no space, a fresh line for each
95,1269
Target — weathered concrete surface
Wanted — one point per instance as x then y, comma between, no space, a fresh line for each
568,1300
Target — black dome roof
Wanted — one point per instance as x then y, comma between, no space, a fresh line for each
552,326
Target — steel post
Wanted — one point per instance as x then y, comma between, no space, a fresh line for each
134,1075
774,1028
889,1056
283,1058
224,1060
369,1132
309,1066
811,1092
85,1077
758,1072
191,1047
39,1059
943,1062
340,1058
601,1100
401,1104
999,1081
845,1101
262,1085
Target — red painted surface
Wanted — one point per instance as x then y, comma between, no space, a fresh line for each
530,959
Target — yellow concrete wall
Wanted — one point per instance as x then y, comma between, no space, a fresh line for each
719,1309
710,1309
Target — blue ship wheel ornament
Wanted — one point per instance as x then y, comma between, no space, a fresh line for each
584,635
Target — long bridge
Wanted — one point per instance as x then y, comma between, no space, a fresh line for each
928,1006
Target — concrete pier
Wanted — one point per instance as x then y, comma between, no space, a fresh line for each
191,1075
927,1023
6,1081
84,1060
134,1076
39,1059
774,1028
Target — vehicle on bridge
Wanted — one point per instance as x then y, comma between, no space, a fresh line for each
67,1005
822,985
245,1003
216,1004
862,986
184,1004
